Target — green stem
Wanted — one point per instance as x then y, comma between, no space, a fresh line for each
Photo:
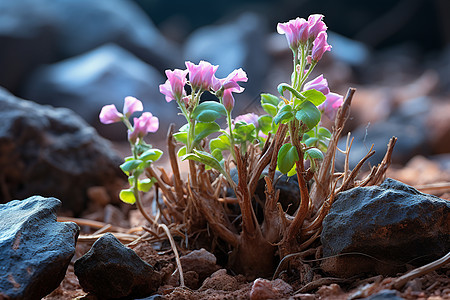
232,150
303,79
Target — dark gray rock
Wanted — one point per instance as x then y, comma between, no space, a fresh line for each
35,250
103,76
43,31
111,270
52,152
200,261
236,44
392,223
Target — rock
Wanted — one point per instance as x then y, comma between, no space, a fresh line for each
200,261
389,225
61,29
111,270
220,281
35,250
52,152
266,289
102,76
236,44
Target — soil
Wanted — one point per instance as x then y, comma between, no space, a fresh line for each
224,285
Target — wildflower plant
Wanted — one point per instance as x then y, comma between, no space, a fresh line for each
288,138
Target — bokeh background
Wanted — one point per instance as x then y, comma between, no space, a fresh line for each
83,54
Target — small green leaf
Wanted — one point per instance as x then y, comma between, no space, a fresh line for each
130,165
151,155
145,185
314,96
265,123
127,196
181,137
222,142
311,141
324,133
269,99
202,130
209,111
244,132
314,153
181,151
287,156
293,171
217,153
206,159
308,114
269,108
284,86
284,115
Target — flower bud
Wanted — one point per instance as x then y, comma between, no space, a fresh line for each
332,103
142,125
315,26
319,83
228,100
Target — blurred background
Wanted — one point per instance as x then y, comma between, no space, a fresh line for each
83,54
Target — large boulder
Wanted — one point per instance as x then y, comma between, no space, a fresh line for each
34,32
379,228
111,270
35,249
52,152
105,75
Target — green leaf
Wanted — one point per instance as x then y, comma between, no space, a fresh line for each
293,171
308,114
181,151
206,159
244,132
284,115
311,141
145,185
151,155
130,165
209,111
324,133
284,86
202,130
314,153
287,156
269,108
269,99
217,153
181,137
222,142
314,96
127,196
265,123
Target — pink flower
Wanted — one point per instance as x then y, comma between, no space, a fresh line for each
173,88
250,118
320,46
319,83
131,105
230,82
296,32
109,114
228,100
201,76
142,125
315,26
331,105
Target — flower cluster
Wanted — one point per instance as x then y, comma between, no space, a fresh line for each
144,124
202,78
306,34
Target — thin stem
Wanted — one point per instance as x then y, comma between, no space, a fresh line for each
232,150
